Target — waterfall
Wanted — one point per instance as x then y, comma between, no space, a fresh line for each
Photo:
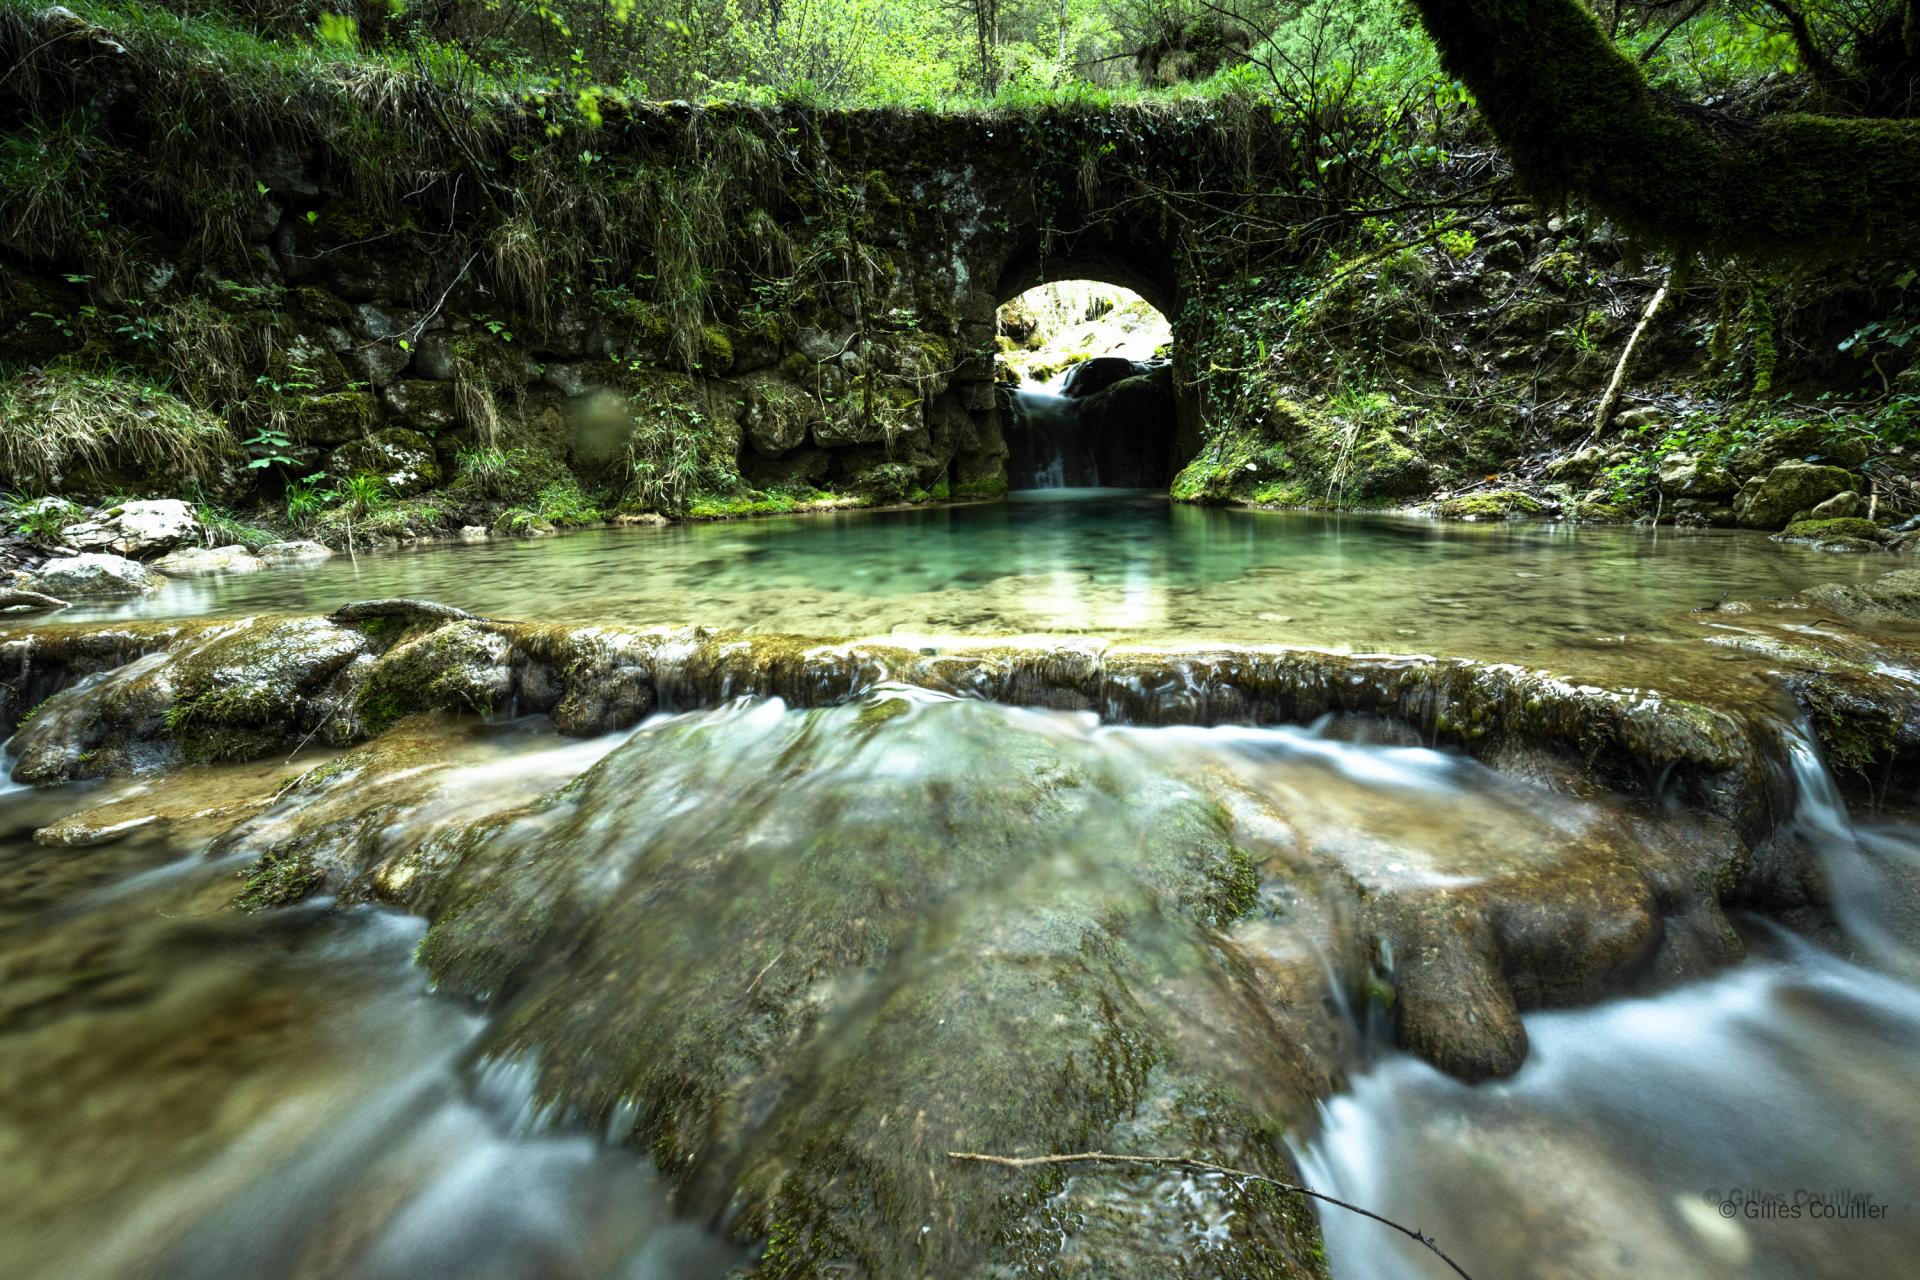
1870,870
1048,448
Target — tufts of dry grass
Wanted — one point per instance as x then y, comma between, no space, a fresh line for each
63,424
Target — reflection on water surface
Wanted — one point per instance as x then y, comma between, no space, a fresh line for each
1124,565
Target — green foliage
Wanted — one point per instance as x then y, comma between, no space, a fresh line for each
306,499
41,519
225,528
488,469
360,495
268,447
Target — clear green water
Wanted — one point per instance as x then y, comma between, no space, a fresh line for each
1126,565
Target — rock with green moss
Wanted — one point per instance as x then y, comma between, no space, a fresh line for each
1892,597
1836,534
817,998
1498,504
1772,500
403,460
92,575
779,415
456,666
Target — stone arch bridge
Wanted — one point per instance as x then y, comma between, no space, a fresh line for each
729,299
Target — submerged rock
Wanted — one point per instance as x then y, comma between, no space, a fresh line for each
278,553
91,576
15,600
196,562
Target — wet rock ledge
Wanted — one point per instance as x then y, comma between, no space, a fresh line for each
98,700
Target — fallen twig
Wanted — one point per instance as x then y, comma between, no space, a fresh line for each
1611,399
1204,1166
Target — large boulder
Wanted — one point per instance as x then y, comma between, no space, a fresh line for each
778,415
1790,488
1807,442
403,459
135,528
1101,372
92,575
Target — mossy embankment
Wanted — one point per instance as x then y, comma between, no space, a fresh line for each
362,299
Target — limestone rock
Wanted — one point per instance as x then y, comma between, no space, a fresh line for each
91,576
135,528
474,533
1772,500
1685,476
200,562
403,459
1841,506
279,553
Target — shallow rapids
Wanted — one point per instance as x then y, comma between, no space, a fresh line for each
730,985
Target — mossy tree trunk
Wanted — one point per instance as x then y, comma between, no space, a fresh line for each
1578,118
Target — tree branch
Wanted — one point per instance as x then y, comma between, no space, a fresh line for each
1577,118
1203,1166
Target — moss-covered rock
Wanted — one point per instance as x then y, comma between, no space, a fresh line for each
1789,488
1499,504
1841,534
404,460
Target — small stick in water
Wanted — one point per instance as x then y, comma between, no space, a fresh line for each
1204,1166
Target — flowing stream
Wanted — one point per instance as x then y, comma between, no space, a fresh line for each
1759,1124
186,1090
612,1007
1048,449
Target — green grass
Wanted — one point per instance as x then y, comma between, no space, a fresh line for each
224,528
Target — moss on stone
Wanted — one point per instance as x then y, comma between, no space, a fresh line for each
1841,527
1500,504
987,486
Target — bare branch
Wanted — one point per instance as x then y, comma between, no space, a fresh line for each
1203,1166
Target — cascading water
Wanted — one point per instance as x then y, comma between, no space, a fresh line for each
1757,1124
1048,446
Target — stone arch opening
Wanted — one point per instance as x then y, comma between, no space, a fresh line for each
1086,384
